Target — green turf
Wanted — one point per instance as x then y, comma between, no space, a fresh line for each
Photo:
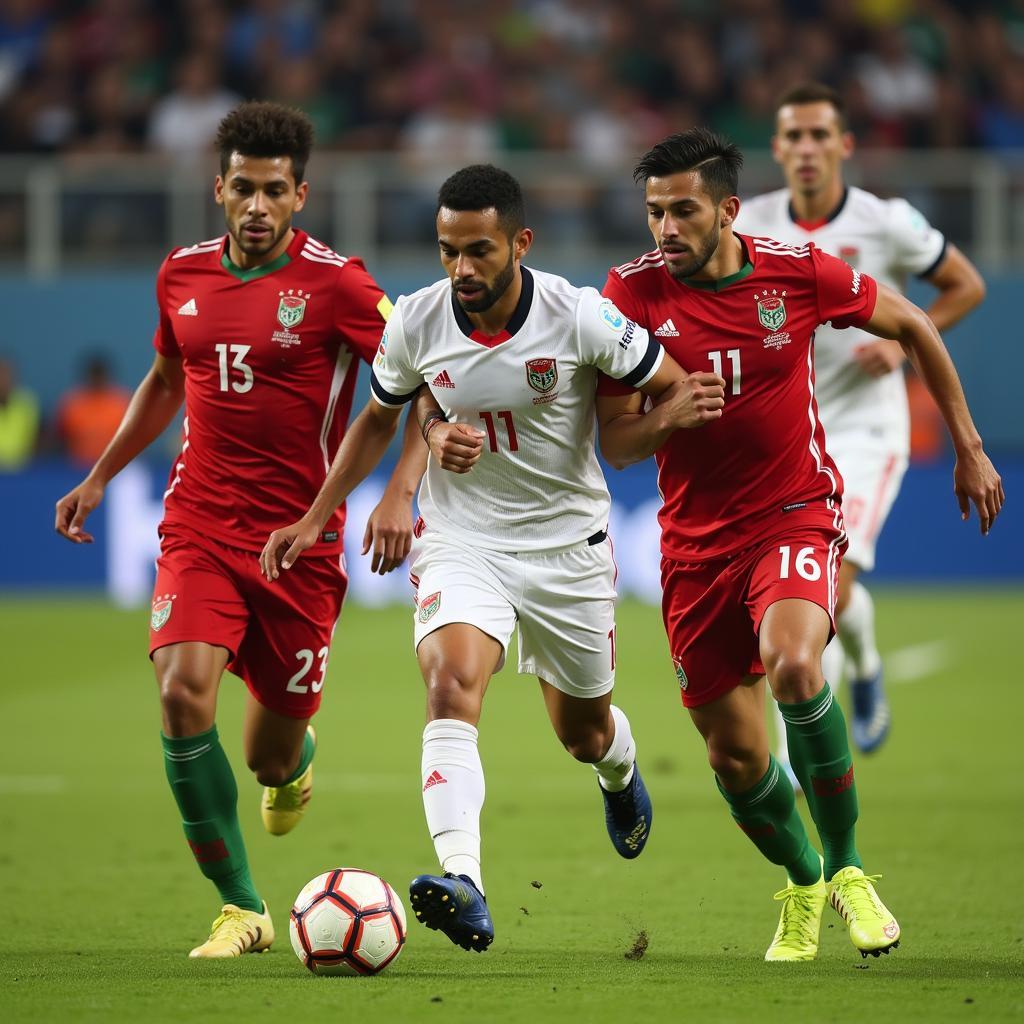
101,901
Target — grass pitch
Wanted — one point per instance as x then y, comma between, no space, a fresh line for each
101,901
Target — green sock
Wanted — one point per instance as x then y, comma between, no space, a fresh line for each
820,753
308,750
768,815
204,787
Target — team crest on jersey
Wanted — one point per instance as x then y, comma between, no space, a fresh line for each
291,309
849,253
542,374
162,607
771,309
680,674
428,606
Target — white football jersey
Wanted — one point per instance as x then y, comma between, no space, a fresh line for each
530,390
886,239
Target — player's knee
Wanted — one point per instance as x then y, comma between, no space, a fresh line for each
737,765
270,770
793,672
584,744
450,694
185,703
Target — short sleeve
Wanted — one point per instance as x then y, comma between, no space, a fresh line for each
361,309
393,381
617,290
915,246
846,297
616,345
164,340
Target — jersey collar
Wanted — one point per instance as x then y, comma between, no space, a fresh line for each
515,322
813,225
268,268
724,282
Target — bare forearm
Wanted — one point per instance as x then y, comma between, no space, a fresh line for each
925,350
151,410
405,480
952,305
634,437
363,447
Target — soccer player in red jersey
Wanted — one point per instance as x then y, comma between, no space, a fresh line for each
752,527
260,333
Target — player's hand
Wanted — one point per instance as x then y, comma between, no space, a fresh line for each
456,446
73,508
292,541
975,479
389,533
879,357
693,401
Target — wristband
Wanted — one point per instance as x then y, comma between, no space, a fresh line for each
433,418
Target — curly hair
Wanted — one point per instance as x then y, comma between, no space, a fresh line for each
481,187
266,130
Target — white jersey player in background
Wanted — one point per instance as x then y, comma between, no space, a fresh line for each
514,511
859,381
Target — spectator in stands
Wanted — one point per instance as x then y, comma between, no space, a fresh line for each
19,420
89,414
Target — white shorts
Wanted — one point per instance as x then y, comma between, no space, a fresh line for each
871,478
564,603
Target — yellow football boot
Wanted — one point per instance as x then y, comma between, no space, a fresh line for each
235,932
872,928
796,938
282,807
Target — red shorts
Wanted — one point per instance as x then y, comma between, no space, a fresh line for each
713,610
278,634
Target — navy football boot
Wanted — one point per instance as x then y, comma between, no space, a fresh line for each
628,815
454,905
870,724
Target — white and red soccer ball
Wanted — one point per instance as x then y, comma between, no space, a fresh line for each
347,921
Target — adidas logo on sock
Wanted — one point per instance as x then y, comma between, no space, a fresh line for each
442,380
435,778
189,309
667,330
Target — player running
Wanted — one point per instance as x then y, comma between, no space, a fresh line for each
260,333
752,532
511,355
858,379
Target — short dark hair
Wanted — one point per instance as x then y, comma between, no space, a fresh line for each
813,92
698,149
267,130
482,186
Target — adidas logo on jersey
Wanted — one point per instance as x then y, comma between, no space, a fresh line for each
189,309
442,380
435,778
667,330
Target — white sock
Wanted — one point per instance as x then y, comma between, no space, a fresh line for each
857,631
615,769
453,795
833,658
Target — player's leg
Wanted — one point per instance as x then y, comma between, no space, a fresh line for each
196,597
793,633
464,620
567,639
763,804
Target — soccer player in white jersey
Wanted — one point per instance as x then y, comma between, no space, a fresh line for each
859,381
510,357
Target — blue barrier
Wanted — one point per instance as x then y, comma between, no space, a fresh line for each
924,539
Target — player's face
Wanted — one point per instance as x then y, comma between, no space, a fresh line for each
260,196
810,145
685,221
478,256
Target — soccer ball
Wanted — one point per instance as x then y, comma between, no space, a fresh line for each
347,921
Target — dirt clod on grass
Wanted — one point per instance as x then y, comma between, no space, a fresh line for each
639,947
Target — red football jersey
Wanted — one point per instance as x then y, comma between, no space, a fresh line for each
756,330
270,367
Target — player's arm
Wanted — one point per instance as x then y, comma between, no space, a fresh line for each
455,446
389,528
682,401
362,448
154,405
961,289
974,477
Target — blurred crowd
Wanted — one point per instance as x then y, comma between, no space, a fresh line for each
475,80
